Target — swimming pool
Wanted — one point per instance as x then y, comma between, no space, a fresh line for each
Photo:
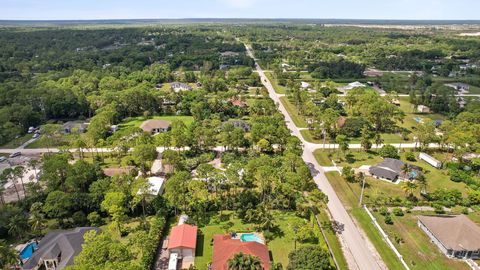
250,237
419,119
28,250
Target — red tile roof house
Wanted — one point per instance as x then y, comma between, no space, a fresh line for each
224,247
183,241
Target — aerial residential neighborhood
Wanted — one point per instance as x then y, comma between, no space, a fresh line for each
131,139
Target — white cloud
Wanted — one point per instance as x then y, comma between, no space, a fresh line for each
240,3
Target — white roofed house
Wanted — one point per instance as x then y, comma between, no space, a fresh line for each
423,109
155,126
351,86
179,86
304,85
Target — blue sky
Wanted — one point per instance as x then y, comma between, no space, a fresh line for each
136,9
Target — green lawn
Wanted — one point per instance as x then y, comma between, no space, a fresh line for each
417,249
387,138
137,121
293,112
355,158
333,241
280,246
350,201
44,142
278,88
17,142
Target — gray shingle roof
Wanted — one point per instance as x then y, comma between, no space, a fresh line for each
68,243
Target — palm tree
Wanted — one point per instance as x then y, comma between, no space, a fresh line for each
241,261
378,139
8,255
409,187
17,226
34,163
18,173
6,176
422,182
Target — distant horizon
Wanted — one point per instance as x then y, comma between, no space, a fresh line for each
84,10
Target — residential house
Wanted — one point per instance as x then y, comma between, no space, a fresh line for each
182,243
154,126
351,86
456,236
238,102
225,247
430,160
74,127
156,185
423,109
461,87
179,86
113,171
57,249
373,73
239,124
304,85
393,170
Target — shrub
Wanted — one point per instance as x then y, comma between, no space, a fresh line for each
388,151
398,212
383,211
388,220
410,156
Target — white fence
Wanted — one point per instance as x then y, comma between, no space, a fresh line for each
385,237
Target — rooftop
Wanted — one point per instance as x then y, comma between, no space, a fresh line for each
183,236
224,247
455,232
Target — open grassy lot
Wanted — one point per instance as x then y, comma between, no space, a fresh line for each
278,88
59,140
354,158
280,246
137,121
416,248
293,112
17,142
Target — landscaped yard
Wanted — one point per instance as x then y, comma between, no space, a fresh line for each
137,121
355,158
293,112
280,246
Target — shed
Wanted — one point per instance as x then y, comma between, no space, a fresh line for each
430,160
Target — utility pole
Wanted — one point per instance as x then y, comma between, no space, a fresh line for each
362,176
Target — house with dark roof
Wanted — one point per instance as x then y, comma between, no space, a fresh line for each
57,249
455,236
393,169
74,127
239,124
182,243
224,248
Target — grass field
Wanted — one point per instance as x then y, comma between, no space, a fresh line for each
44,142
137,121
17,142
417,249
293,112
280,246
333,241
278,88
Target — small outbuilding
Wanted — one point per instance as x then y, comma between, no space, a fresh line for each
423,109
74,127
182,243
179,86
430,160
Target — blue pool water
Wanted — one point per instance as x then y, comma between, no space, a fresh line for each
27,251
250,237
418,119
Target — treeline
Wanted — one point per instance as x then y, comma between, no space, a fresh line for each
336,70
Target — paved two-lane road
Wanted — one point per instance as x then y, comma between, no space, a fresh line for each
360,253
